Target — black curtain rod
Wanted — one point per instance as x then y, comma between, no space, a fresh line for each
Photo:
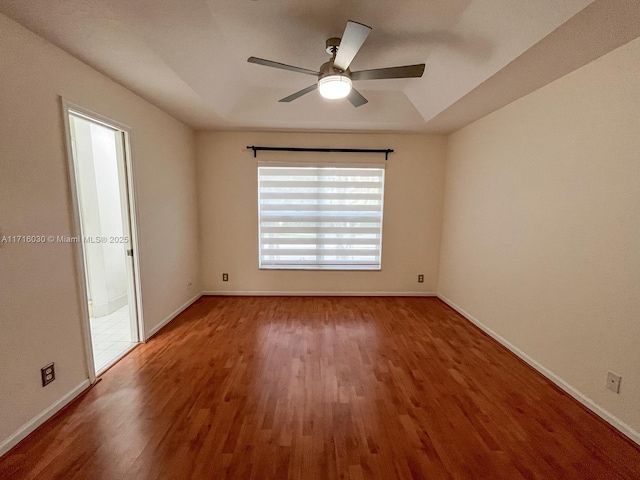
300,149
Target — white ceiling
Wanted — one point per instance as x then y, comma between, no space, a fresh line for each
188,57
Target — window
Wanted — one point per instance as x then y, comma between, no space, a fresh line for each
320,217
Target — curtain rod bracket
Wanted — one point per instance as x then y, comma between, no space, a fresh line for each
386,151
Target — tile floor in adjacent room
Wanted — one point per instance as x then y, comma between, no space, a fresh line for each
110,336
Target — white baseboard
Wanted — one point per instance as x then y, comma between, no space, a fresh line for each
42,417
607,416
105,309
171,316
262,293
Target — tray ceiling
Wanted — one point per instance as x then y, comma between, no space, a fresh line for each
188,57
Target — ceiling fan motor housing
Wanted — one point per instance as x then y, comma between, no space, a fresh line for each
328,69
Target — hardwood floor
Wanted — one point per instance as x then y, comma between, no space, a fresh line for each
315,388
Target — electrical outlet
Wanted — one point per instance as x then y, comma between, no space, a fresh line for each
225,277
613,382
420,278
48,374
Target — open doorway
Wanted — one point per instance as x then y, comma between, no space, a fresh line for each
103,197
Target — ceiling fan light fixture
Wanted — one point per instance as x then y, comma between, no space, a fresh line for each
334,86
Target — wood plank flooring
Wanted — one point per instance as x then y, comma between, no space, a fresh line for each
323,388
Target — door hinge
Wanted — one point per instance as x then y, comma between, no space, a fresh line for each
130,252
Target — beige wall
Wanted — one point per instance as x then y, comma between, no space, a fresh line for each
39,301
227,188
541,237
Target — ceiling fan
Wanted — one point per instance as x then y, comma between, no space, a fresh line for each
335,78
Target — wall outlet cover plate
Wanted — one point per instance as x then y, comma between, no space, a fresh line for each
613,382
48,374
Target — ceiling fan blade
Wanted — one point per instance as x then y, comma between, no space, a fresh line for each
407,71
356,98
269,63
352,39
300,93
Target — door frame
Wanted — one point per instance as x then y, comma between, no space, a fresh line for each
76,225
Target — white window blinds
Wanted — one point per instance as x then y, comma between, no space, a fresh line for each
320,217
